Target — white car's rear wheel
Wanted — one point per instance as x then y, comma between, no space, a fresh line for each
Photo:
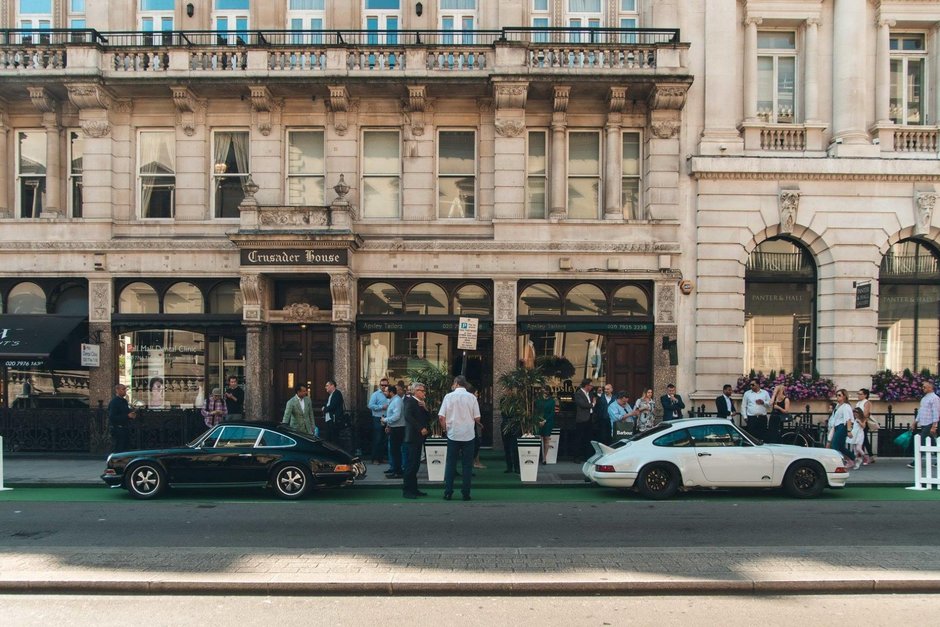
658,481
804,480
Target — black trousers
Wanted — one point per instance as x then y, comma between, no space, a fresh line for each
510,450
396,437
583,431
120,439
757,426
409,483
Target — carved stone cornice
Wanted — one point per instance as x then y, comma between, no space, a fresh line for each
669,97
413,108
190,110
509,128
263,108
341,289
184,99
470,246
298,313
192,245
293,216
96,128
261,99
924,203
665,129
788,203
338,104
560,98
616,99
252,289
89,96
510,95
42,99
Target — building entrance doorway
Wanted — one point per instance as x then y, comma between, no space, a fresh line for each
630,364
303,355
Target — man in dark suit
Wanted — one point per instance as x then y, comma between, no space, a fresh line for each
724,404
417,418
601,419
332,411
671,403
584,410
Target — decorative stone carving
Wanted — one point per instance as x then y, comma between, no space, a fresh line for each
666,303
414,107
475,246
89,96
263,108
252,290
293,216
100,301
925,202
484,105
671,97
188,107
665,129
299,312
96,128
340,289
338,104
560,102
788,202
505,301
509,128
122,106
42,99
616,99
510,95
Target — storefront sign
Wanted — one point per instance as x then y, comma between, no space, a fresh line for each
24,363
467,334
430,326
610,327
863,295
294,257
91,355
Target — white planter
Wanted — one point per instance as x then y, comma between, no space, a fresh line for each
551,457
529,449
435,453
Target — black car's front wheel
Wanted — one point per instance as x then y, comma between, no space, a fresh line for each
291,481
145,481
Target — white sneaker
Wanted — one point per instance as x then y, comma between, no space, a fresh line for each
858,464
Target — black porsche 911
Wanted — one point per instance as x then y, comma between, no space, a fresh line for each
237,454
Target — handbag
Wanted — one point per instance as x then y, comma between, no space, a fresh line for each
873,424
903,440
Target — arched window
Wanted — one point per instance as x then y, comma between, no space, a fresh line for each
780,308
27,298
539,299
428,299
472,300
909,308
183,298
380,299
73,301
225,298
629,301
585,300
138,298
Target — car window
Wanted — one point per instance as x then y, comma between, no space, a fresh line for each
674,439
272,439
210,439
238,437
715,435
663,426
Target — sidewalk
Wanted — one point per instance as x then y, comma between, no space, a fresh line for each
63,470
471,571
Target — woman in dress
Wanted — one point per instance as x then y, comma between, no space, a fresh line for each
865,405
841,419
856,437
779,413
644,408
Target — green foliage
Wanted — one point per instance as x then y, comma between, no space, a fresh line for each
555,366
521,387
437,382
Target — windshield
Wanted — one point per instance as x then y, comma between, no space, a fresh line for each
657,429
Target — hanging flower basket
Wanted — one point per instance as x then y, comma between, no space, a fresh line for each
900,386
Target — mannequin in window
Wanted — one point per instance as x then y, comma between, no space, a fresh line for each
374,363
528,354
595,359
456,207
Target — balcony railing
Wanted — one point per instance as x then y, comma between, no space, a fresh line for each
128,52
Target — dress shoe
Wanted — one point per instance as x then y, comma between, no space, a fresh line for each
466,497
397,475
420,493
409,496
448,496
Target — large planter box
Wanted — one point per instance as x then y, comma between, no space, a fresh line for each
551,456
529,450
435,454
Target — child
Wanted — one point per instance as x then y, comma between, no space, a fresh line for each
856,438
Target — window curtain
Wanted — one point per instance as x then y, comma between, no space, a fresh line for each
240,143
150,164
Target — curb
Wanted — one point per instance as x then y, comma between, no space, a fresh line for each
474,588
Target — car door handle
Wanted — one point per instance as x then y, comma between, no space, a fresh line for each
704,454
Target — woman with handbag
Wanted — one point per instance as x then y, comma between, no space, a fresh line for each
841,419
779,413
871,425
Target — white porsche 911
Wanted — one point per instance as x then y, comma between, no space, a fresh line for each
711,453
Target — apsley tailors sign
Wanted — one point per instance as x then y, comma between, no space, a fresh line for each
294,257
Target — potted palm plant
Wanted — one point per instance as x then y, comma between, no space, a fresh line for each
521,386
437,383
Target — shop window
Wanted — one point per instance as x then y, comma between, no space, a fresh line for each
157,174
472,300
31,173
393,353
776,76
630,301
780,308
230,171
183,298
26,298
566,356
305,166
76,159
381,174
584,175
536,174
138,298
539,300
428,299
380,299
73,301
163,368
456,174
226,359
909,307
225,298
908,72
586,300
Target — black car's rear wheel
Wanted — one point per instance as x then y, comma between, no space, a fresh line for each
658,481
145,480
291,481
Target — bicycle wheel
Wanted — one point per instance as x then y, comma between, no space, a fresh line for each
796,438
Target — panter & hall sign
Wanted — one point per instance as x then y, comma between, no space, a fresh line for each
294,257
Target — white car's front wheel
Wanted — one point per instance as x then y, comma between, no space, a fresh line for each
658,481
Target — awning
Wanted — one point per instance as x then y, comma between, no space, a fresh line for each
32,338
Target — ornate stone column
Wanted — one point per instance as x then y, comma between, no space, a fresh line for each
258,372
750,68
613,168
505,355
666,327
849,78
811,91
883,72
559,180
342,289
44,102
510,150
101,380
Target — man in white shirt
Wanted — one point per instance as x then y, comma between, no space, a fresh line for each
459,414
756,403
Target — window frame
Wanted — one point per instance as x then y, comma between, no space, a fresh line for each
158,23
458,26
904,57
34,21
586,20
383,35
140,175
41,188
384,175
75,179
235,35
439,176
303,175
307,18
639,212
599,177
775,54
543,177
213,176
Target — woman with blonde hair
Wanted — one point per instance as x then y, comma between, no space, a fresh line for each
644,407
779,413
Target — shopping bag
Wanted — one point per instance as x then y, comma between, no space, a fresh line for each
904,440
